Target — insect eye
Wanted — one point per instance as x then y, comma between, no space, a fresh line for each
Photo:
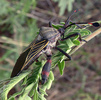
61,30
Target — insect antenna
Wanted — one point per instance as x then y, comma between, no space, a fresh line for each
68,19
67,22
95,24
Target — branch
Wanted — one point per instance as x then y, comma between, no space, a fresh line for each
87,39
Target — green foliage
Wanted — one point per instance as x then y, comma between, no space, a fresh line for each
87,96
31,82
11,84
64,4
61,66
16,21
67,45
4,6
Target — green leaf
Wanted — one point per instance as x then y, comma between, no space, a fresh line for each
57,26
27,98
24,81
58,55
55,60
26,91
49,83
35,73
61,66
85,32
16,94
70,5
12,99
73,32
26,6
35,97
4,4
12,83
70,43
73,27
64,4
62,46
41,97
51,75
76,42
63,23
33,89
43,92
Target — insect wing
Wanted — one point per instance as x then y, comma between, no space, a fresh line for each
19,63
35,51
29,56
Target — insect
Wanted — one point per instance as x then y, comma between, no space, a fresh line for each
44,43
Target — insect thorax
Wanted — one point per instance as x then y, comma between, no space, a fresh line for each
48,32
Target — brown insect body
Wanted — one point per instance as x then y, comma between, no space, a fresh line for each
52,35
43,43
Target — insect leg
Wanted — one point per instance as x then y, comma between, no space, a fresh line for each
72,35
68,56
46,69
50,24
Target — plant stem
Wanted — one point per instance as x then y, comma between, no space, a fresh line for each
87,39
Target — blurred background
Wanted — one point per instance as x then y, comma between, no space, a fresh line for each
20,21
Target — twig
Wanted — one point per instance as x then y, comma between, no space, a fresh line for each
51,6
66,94
10,61
38,18
5,69
4,39
6,47
87,39
50,13
53,94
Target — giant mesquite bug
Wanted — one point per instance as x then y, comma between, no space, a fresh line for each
44,43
